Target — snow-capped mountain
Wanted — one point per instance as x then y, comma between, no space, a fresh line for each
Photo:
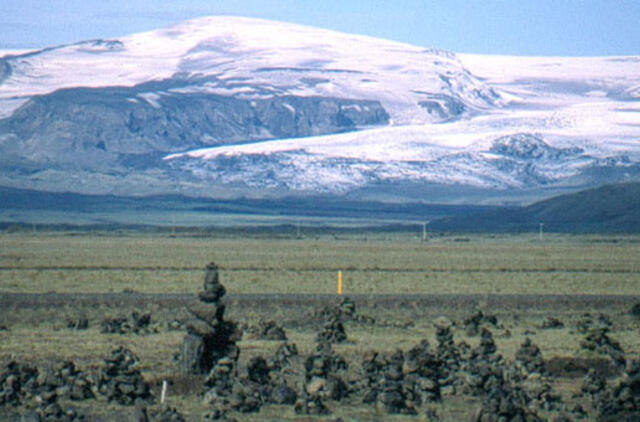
228,106
253,58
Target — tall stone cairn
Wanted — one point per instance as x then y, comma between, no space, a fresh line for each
209,337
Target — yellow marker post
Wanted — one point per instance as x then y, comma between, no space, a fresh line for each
340,283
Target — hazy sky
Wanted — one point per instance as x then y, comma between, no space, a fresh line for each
519,27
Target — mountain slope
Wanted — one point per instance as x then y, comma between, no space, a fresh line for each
607,209
254,58
230,107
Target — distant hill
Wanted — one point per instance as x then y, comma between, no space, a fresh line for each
607,209
28,206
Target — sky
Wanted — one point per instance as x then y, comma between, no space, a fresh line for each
511,27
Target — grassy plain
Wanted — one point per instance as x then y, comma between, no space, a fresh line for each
395,264
371,263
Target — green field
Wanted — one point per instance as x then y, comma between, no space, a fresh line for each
66,263
372,263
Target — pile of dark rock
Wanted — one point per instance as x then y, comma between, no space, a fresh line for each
483,371
593,386
210,337
268,382
17,382
529,358
310,404
80,323
622,403
588,322
506,403
333,329
551,323
121,381
347,308
346,311
283,358
323,380
21,384
422,367
210,348
230,392
400,382
448,354
66,381
164,414
396,394
137,324
220,382
476,321
529,369
598,341
267,330
48,410
635,311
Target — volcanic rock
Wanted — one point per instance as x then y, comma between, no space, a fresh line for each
551,323
78,323
283,357
530,358
473,323
333,329
120,381
137,324
623,403
269,330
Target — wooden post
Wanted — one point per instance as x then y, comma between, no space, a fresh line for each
163,395
339,283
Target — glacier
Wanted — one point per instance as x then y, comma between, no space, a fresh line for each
230,106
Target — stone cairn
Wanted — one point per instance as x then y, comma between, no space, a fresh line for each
473,323
67,382
268,330
17,382
20,384
593,386
210,338
506,403
333,329
210,348
423,369
551,323
596,329
269,390
623,402
529,368
322,381
137,324
283,358
397,395
80,323
484,370
167,414
121,381
448,355
529,358
400,382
